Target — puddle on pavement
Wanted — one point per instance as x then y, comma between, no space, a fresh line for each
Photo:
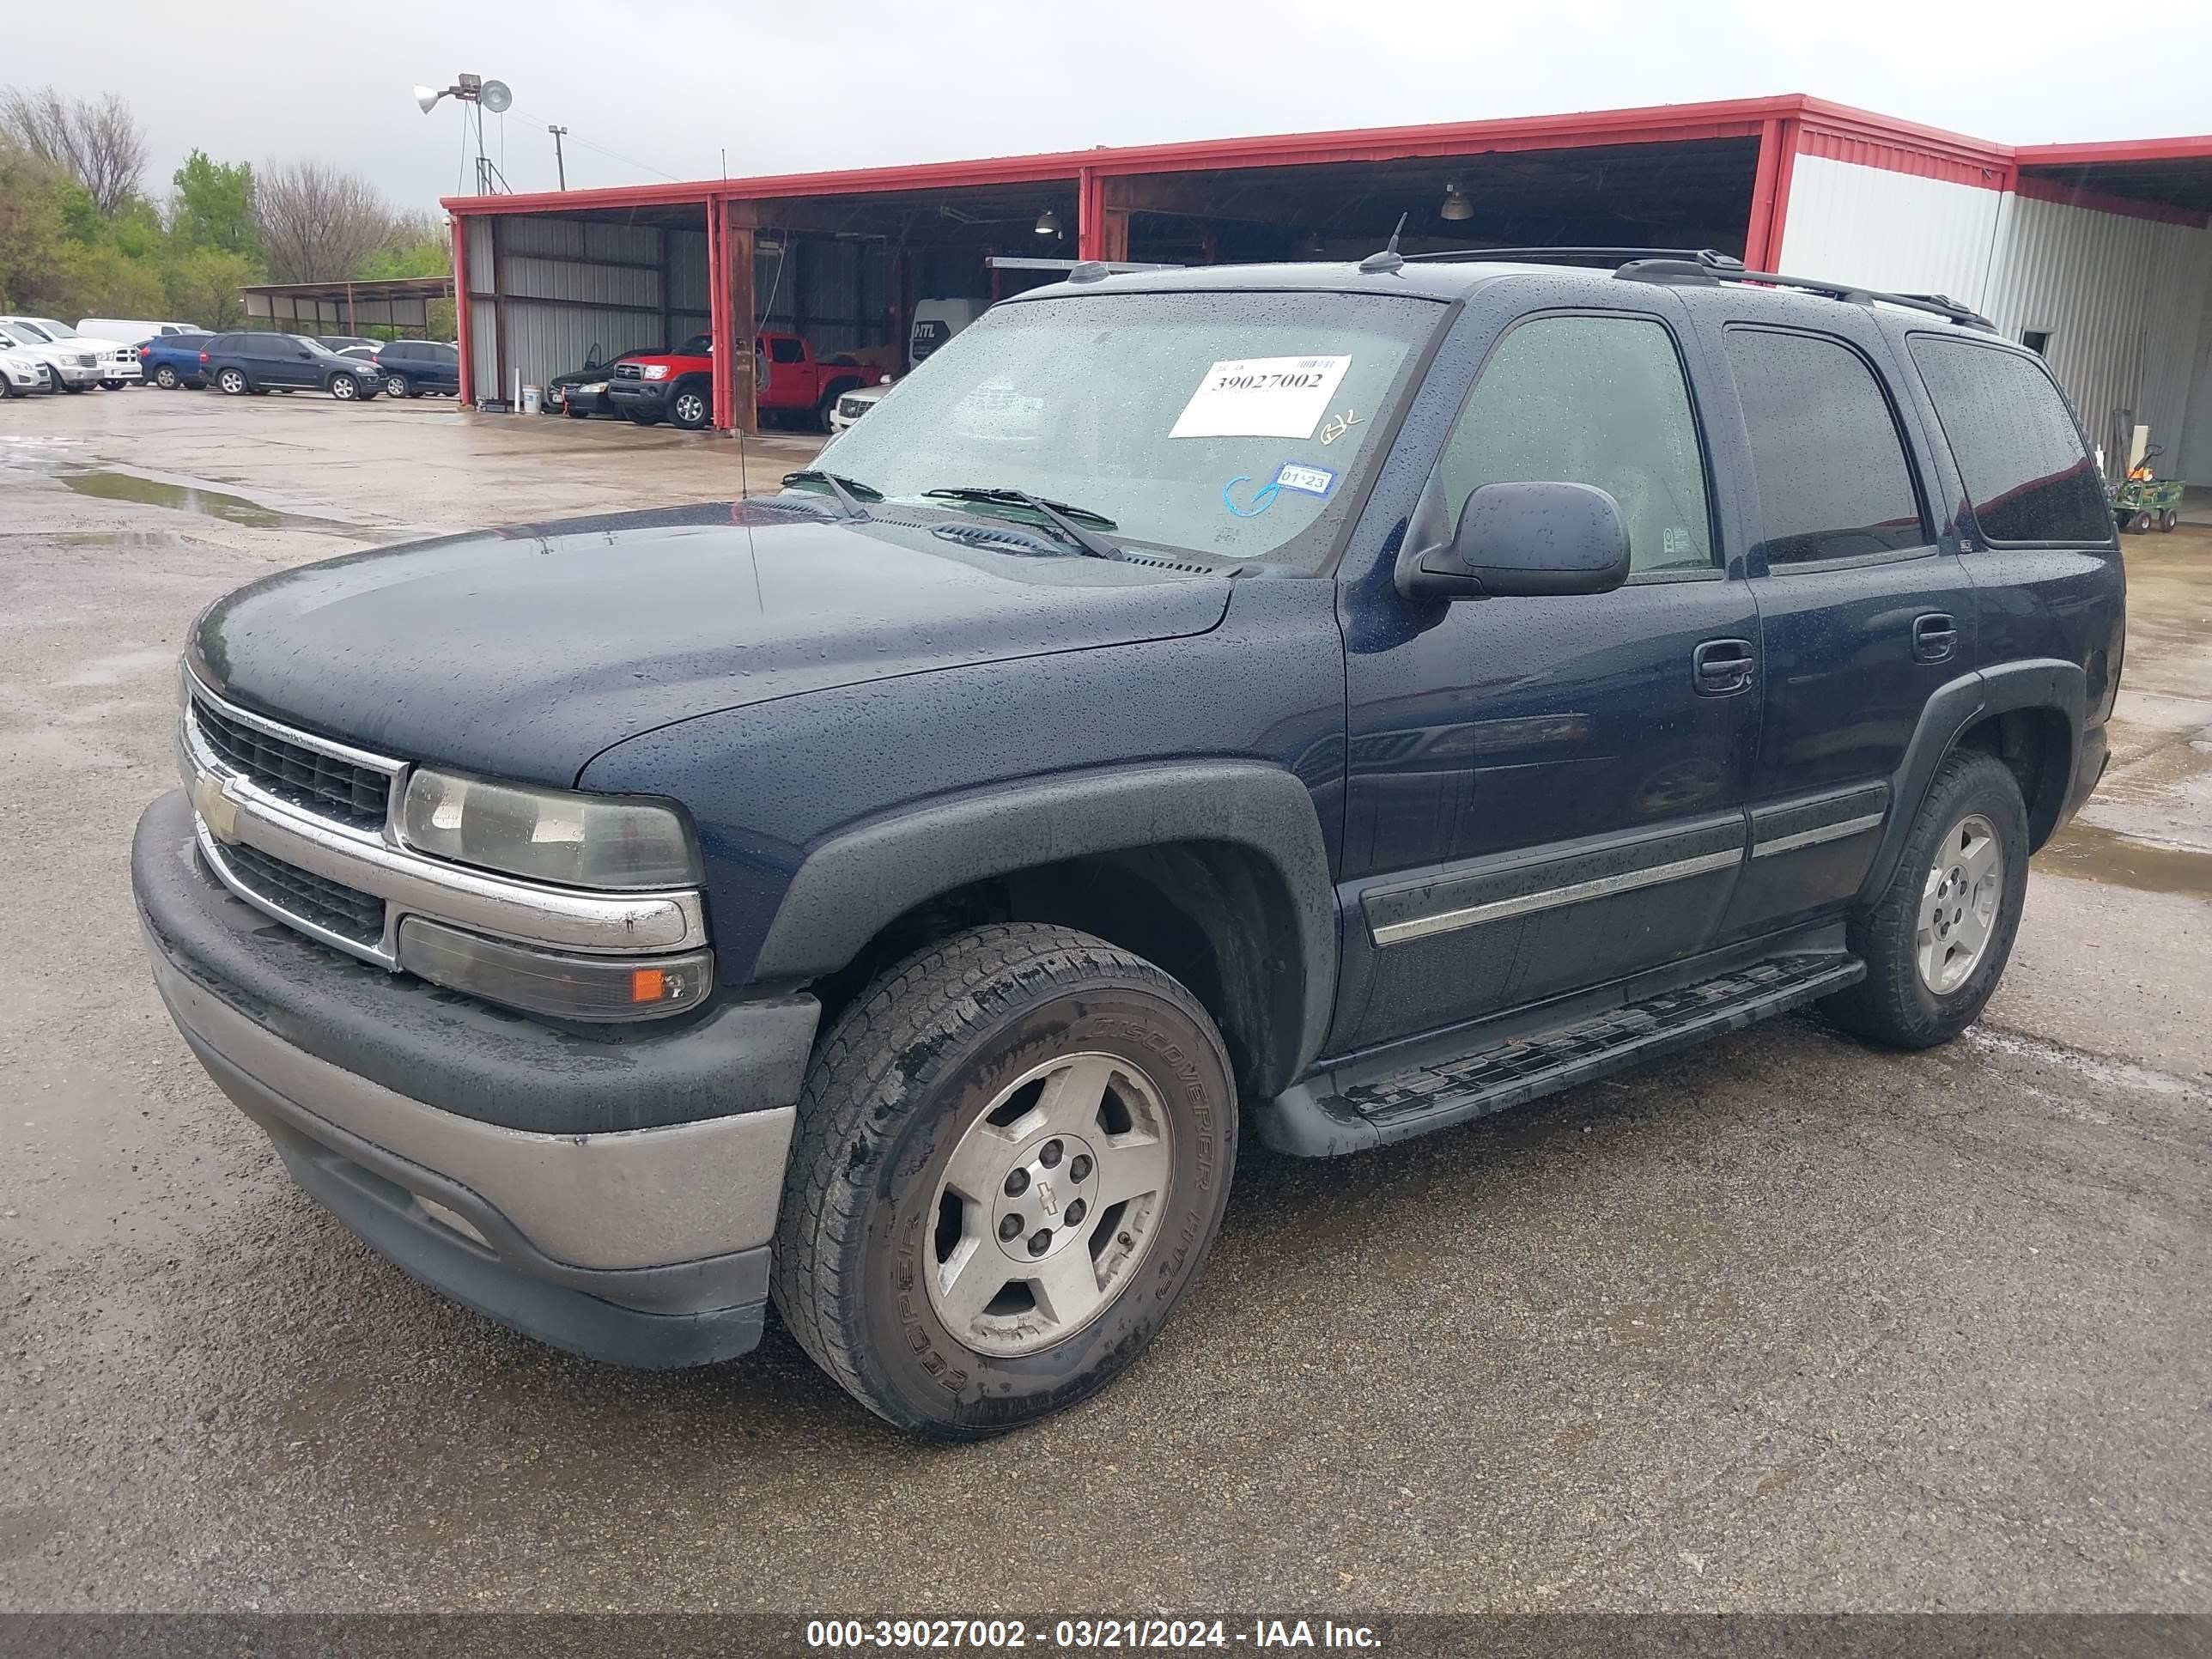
140,538
2092,853
111,486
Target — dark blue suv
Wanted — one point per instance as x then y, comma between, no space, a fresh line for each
1323,702
412,368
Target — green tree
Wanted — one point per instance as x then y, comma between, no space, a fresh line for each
212,206
33,231
103,281
202,288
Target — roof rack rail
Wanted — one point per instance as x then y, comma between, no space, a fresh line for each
1679,273
1710,258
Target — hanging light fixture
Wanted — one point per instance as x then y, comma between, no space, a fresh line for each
1456,204
1047,223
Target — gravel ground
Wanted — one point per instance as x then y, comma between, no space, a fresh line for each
1782,1323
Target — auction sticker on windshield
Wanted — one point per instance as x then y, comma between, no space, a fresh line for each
1261,398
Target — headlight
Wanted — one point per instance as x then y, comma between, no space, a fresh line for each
591,988
656,371
593,390
547,834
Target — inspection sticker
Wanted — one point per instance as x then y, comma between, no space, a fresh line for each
1306,480
1261,398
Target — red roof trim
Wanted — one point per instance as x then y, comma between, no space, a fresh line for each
1980,174
1735,118
2196,148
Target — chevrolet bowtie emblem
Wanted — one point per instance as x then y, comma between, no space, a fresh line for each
1045,1196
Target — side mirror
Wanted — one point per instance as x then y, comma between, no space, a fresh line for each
1519,540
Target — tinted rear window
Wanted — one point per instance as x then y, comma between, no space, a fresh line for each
1834,480
2022,456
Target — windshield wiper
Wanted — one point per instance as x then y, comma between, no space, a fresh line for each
1070,521
848,491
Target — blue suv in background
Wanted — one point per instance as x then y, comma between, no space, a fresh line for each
1322,702
170,361
412,368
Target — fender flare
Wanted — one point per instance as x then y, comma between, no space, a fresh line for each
2032,683
855,881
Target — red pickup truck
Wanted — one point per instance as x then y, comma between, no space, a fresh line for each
678,385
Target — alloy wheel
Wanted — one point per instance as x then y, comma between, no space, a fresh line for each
1959,904
1050,1204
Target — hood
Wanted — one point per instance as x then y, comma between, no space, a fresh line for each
525,652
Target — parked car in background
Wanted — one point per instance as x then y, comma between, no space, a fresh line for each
340,342
125,331
851,405
678,386
75,368
365,353
412,368
171,361
256,362
117,364
21,374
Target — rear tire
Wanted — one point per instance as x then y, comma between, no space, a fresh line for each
1935,939
1094,1079
2169,518
166,378
2140,523
231,382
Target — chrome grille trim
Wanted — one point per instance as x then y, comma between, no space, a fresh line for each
373,863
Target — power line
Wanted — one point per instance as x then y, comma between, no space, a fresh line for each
627,160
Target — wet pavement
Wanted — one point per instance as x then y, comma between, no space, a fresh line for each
1780,1323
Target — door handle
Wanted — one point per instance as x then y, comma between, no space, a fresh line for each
1721,667
1934,637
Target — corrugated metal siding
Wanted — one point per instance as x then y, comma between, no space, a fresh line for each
483,341
689,287
479,255
1891,230
2123,300
1899,158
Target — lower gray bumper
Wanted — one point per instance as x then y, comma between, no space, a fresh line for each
643,1245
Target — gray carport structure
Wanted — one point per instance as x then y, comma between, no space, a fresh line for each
401,303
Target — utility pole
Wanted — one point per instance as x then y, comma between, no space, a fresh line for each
559,165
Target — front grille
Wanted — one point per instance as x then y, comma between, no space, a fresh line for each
629,372
851,407
329,905
354,795
86,361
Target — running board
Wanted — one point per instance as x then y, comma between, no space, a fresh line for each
1350,1117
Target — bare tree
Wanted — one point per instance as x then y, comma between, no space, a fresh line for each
318,223
99,143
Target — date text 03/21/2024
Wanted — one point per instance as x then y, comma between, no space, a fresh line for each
1070,1635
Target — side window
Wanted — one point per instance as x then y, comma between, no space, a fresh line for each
1592,400
1834,480
2018,449
785,350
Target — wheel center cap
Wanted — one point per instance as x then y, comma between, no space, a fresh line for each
1048,1198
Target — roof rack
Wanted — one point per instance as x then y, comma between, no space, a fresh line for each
1706,257
1708,267
1683,274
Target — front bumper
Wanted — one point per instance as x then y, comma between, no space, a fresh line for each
77,373
492,1157
645,396
132,370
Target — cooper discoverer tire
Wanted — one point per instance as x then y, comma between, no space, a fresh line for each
987,1110
1937,939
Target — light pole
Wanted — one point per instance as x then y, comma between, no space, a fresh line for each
560,167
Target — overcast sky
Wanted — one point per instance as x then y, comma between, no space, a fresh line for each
663,90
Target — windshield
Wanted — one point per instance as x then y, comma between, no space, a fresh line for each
1235,424
315,346
52,330
14,335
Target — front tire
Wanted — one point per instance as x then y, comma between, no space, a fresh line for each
345,388
689,409
642,417
1012,1153
1935,939
73,388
